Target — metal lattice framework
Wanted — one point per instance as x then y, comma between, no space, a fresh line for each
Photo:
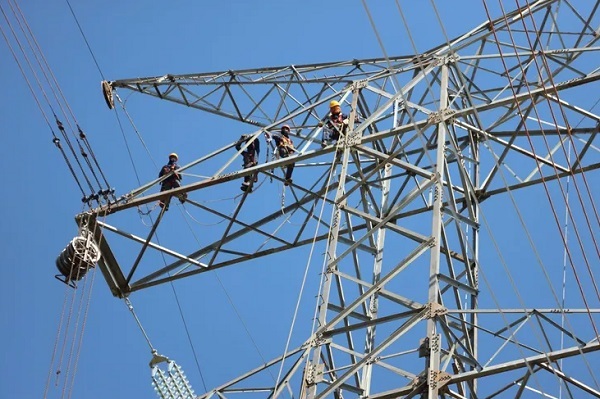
431,137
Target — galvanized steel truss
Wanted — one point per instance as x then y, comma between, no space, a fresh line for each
431,137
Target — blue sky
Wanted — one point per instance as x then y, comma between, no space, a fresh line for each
40,198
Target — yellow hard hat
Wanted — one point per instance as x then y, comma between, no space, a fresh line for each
334,104
173,155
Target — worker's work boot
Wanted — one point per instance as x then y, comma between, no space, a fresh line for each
246,187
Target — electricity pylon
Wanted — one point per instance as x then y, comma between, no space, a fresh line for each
430,137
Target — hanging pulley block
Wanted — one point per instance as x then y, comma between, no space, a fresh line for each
77,258
108,96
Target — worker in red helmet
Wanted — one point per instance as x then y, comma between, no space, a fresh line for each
172,181
336,124
249,156
285,148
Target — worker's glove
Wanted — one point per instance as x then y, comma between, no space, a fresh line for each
345,121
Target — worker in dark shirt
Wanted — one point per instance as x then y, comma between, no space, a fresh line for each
172,181
249,156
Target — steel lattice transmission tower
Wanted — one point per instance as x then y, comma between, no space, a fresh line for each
431,137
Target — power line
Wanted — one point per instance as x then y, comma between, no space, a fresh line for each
85,39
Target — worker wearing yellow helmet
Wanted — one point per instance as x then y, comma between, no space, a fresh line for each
172,180
334,107
336,124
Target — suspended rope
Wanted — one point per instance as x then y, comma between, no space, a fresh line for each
74,274
149,211
158,240
185,325
544,184
203,224
59,370
135,171
306,269
508,273
73,263
514,203
553,210
564,276
158,384
135,129
170,383
56,341
75,347
189,337
233,306
396,83
289,215
554,92
141,139
537,256
80,343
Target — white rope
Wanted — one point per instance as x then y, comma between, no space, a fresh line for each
300,294
203,224
564,279
508,273
230,300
